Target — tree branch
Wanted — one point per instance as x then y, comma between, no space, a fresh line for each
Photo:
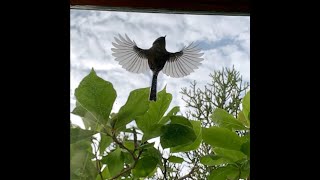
129,168
122,146
189,174
135,158
165,168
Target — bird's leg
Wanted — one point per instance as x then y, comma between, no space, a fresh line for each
153,93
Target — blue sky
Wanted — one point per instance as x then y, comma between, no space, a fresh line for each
224,40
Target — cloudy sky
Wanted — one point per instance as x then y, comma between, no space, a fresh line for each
224,40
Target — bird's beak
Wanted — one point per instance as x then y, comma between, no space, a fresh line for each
165,36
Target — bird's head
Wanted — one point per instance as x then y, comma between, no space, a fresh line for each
160,42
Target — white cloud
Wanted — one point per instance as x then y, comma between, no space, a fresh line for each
227,42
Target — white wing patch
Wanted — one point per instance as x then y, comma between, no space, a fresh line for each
184,62
129,55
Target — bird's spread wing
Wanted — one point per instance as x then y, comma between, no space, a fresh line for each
129,55
184,62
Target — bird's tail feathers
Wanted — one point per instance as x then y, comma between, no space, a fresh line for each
153,92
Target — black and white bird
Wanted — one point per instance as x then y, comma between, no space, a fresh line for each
157,58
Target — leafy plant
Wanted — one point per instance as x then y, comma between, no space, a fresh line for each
115,145
231,152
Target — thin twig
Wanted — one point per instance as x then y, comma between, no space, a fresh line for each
122,146
165,168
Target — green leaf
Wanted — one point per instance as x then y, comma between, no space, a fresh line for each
145,166
206,160
90,170
81,165
153,152
176,134
213,160
172,112
151,175
136,105
155,112
79,110
246,137
78,134
221,137
83,146
127,157
194,145
223,119
231,155
245,169
129,144
96,96
105,174
245,148
104,143
175,159
146,145
180,120
152,132
114,161
88,119
243,120
223,173
246,106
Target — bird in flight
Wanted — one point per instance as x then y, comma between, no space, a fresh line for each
157,58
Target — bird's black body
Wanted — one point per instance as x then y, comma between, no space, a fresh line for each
157,57
178,64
